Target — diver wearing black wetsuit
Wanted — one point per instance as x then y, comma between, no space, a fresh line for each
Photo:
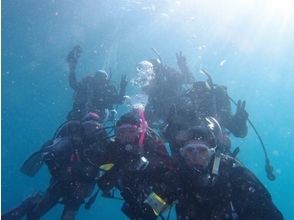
140,159
213,185
165,88
234,194
204,100
73,161
93,93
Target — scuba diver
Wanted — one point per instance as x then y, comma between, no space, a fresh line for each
93,93
140,158
205,99
214,185
162,84
73,161
209,99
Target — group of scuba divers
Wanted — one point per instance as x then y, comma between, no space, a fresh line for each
174,152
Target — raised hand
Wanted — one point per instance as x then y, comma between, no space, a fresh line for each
73,56
123,82
182,64
241,113
181,60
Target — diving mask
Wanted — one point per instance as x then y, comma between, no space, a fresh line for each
197,153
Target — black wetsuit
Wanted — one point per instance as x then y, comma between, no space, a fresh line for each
163,92
200,102
133,178
235,194
93,96
205,100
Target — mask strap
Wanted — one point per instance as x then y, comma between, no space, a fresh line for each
144,126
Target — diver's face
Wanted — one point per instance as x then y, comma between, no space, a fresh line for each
127,134
196,153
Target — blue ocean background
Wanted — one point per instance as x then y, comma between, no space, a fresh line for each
246,45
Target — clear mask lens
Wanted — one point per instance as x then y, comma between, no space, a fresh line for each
198,154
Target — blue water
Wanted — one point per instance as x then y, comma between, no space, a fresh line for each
246,45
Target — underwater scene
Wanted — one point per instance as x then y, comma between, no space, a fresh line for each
132,109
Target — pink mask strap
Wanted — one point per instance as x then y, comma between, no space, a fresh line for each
144,126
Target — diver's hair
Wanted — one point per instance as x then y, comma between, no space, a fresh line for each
129,118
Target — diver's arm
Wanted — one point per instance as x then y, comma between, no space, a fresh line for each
234,123
251,199
182,64
238,124
72,60
122,88
72,79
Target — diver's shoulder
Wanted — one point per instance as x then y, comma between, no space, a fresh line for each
229,161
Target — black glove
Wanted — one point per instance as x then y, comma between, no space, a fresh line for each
241,114
182,64
181,60
73,56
